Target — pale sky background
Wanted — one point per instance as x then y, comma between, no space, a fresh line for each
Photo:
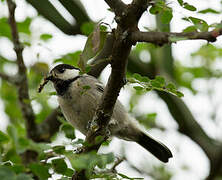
186,152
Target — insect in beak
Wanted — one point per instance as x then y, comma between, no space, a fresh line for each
47,78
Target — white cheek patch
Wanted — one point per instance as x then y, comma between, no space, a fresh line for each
69,74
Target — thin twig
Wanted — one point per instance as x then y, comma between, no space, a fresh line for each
22,86
8,78
161,38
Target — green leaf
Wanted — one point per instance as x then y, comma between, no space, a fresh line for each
137,76
12,156
69,172
189,7
24,176
138,88
24,26
52,93
179,94
190,29
59,149
145,79
90,160
126,177
5,30
6,173
3,137
166,16
87,28
46,37
199,23
155,10
171,86
68,130
180,2
160,80
42,171
59,165
17,168
209,10
93,46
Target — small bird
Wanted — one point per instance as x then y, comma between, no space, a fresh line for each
78,97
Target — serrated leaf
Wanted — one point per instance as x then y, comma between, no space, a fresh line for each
138,88
166,16
189,7
145,79
137,76
209,10
59,165
171,86
160,79
68,130
46,37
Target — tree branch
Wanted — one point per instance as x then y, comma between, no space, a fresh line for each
8,78
117,6
23,94
161,38
119,59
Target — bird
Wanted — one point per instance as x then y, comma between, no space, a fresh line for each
78,96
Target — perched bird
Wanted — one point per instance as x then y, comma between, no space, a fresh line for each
78,97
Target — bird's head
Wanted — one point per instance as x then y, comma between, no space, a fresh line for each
63,72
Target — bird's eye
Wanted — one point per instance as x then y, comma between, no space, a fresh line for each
61,70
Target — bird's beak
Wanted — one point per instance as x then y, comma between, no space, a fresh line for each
50,77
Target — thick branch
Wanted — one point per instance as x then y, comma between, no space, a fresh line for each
120,52
117,6
161,38
23,95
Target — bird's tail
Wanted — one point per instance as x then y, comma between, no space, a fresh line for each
157,148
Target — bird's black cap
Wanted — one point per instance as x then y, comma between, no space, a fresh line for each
63,66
